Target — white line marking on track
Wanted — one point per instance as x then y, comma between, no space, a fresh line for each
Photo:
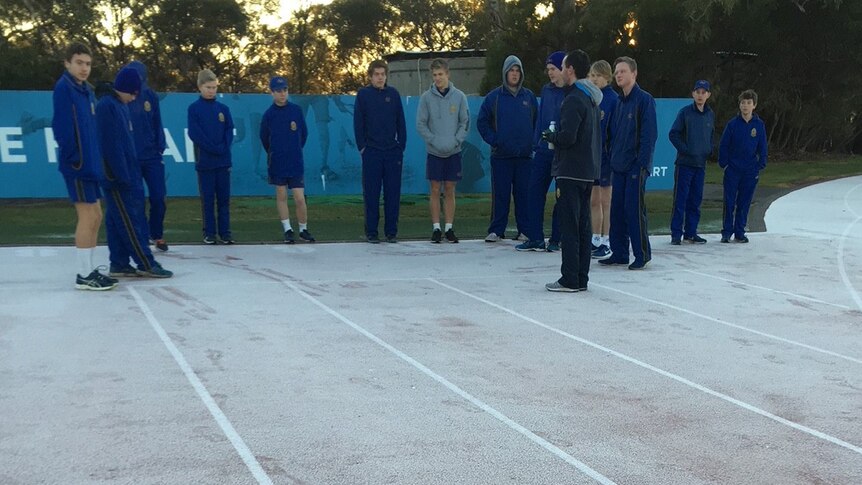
780,292
214,409
680,379
841,269
457,390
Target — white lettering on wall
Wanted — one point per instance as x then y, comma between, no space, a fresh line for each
172,150
659,171
51,145
190,147
7,145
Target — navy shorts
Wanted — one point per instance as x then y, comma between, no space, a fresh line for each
291,182
604,179
443,169
83,190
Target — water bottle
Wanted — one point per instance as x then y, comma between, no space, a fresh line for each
552,128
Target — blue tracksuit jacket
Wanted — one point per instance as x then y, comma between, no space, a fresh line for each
147,120
610,99
283,134
743,145
74,126
691,135
549,110
503,124
380,109
629,152
211,130
122,170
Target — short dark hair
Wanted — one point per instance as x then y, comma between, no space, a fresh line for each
633,65
580,62
77,48
439,63
748,94
377,64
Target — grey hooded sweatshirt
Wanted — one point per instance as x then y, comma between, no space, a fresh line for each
442,121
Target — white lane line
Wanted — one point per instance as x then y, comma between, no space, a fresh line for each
841,269
773,290
680,379
222,420
457,390
732,325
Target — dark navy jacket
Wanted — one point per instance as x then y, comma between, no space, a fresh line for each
633,132
74,126
211,130
549,110
610,98
283,134
507,122
147,120
122,169
378,119
691,134
743,145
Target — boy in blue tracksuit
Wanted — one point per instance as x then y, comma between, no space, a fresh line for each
507,122
381,137
742,154
552,97
80,161
633,133
600,199
283,134
150,144
211,130
691,134
126,223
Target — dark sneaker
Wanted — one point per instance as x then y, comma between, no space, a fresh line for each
227,240
602,252
95,281
531,246
156,272
288,237
593,247
695,239
675,241
638,264
436,236
612,261
740,239
209,240
373,239
725,239
452,238
553,246
306,236
123,271
161,245
558,287
391,239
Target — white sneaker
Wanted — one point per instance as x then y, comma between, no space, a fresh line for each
492,237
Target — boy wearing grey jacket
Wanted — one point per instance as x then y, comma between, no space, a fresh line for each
442,120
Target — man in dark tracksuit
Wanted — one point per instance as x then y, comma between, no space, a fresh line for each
126,223
149,145
577,162
506,122
633,133
381,137
691,134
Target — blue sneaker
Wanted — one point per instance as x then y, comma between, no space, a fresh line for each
126,271
553,246
156,271
639,264
602,252
531,246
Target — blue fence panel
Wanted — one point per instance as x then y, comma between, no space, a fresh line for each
28,160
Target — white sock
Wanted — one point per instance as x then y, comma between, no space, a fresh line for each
302,227
606,241
448,226
85,261
437,226
597,239
285,223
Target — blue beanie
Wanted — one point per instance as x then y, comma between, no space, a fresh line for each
128,81
556,58
277,83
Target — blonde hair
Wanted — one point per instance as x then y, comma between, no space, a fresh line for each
206,76
439,63
602,68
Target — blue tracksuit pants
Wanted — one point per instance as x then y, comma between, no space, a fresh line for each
738,193
381,170
214,186
126,228
153,172
537,192
509,177
629,217
687,197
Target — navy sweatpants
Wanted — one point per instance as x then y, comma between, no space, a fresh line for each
153,172
738,193
574,207
509,176
687,197
537,192
214,186
629,217
126,228
381,170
